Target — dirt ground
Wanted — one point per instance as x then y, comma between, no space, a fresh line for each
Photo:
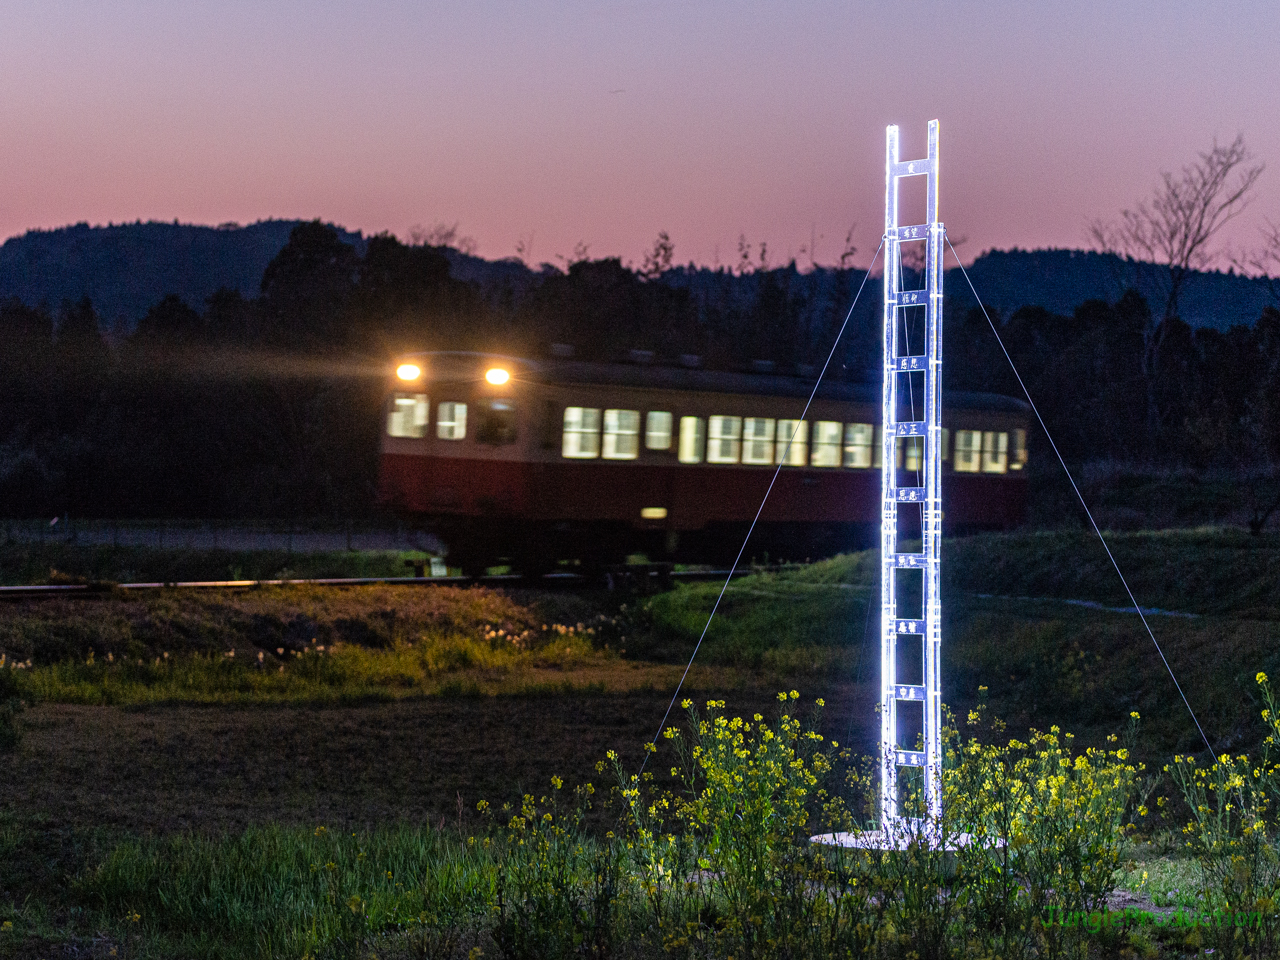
219,769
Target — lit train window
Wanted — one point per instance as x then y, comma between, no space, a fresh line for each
408,415
757,440
968,451
621,434
877,448
724,442
995,452
858,445
581,433
911,452
496,422
691,440
1019,459
451,421
946,444
657,430
826,444
795,453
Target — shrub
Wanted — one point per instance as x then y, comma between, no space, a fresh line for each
714,862
1047,824
1233,833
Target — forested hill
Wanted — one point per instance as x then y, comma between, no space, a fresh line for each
266,399
1061,280
126,269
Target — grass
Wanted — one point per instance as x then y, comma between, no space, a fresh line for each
215,622
208,770
532,883
1006,627
269,891
1208,571
1170,881
1043,660
343,675
321,646
284,892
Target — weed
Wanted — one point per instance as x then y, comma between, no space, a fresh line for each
10,706
709,857
1233,834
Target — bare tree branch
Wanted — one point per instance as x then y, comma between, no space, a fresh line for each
846,258
658,260
1176,226
1264,263
1170,235
443,235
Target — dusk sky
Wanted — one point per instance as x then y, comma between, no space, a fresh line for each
555,123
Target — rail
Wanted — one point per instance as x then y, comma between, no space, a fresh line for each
630,577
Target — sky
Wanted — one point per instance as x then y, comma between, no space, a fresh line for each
545,126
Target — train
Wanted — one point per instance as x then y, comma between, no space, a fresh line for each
532,463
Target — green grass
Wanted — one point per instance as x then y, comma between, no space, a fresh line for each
532,886
343,673
1005,627
285,892
1222,572
213,622
316,645
202,821
266,892
1168,880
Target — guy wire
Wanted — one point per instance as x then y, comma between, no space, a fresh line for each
781,461
1080,497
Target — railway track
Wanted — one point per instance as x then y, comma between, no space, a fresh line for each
615,578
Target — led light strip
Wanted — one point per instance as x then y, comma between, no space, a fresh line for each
922,626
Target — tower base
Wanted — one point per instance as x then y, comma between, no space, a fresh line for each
902,837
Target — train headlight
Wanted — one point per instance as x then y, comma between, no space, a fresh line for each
497,376
408,371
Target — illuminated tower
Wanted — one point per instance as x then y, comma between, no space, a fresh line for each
911,501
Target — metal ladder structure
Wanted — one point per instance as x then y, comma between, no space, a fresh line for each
906,365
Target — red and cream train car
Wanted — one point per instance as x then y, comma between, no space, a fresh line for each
533,462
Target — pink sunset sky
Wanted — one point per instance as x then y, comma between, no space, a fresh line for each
605,122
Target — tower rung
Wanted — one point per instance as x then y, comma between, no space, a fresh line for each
910,561
911,168
918,232
909,758
908,494
907,691
908,363
909,428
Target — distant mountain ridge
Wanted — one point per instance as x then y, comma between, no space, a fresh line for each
1060,280
127,268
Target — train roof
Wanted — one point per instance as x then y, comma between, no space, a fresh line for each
658,377
718,381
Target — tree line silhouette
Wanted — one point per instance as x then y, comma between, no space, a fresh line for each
270,406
